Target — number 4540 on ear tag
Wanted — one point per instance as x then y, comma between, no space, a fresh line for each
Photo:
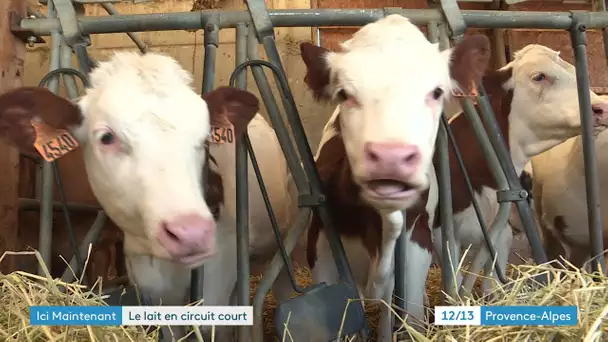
51,143
222,134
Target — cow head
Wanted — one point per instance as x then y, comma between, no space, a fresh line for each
544,109
143,129
390,83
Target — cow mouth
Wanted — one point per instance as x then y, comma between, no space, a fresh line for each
194,259
390,188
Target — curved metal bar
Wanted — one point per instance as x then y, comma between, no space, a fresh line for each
275,226
79,262
46,78
484,228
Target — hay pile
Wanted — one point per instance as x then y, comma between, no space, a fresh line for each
570,286
20,290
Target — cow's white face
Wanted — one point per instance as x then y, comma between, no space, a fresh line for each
143,130
545,109
390,83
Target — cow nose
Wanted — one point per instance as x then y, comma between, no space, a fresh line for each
395,158
600,109
188,236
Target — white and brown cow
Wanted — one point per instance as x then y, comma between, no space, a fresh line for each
143,129
375,155
560,198
534,98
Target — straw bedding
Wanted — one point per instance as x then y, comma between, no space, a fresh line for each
571,287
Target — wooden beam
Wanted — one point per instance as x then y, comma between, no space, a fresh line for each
12,56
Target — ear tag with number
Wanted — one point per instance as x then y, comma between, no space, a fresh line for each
51,143
223,134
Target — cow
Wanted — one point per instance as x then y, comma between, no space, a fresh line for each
375,154
143,131
560,198
534,98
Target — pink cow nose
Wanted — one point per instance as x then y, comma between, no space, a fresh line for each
391,160
188,238
600,113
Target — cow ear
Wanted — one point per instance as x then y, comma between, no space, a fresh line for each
20,106
231,105
469,61
317,70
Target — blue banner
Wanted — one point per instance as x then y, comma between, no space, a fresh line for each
75,315
529,315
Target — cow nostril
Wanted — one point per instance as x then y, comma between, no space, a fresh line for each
373,156
169,233
412,158
597,110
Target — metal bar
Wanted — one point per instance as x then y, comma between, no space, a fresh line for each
401,259
45,242
30,204
91,237
272,271
578,37
450,251
211,39
504,158
242,194
499,176
141,45
289,151
310,17
306,157
66,14
66,62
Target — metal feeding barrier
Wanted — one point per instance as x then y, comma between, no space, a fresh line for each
321,303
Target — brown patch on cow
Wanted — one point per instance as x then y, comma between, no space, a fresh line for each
417,218
214,195
350,216
317,70
232,105
18,107
470,60
473,157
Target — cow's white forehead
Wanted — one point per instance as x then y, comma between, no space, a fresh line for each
131,90
535,56
385,33
399,52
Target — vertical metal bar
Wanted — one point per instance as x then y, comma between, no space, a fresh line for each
141,45
504,160
289,151
66,62
400,289
210,40
308,163
46,202
578,37
450,251
242,194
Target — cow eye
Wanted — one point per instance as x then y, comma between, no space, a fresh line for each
342,95
437,93
539,77
107,138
